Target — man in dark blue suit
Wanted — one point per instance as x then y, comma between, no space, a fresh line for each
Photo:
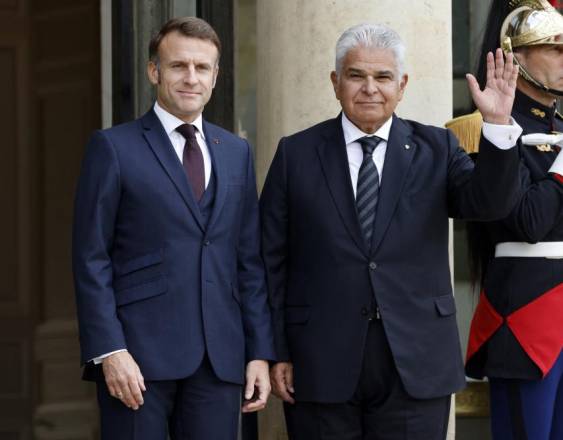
355,240
170,288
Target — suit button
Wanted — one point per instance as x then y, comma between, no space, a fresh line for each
365,311
206,243
372,265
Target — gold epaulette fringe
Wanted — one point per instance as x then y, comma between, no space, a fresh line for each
467,129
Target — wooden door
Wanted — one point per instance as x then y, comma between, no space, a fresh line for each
49,52
16,256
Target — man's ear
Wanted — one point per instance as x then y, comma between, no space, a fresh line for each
403,85
153,73
215,76
520,55
334,80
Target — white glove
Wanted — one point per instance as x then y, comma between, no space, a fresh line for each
541,138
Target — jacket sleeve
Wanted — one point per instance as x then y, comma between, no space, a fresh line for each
487,190
275,232
95,210
540,208
250,271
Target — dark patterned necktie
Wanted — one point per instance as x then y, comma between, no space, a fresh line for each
367,189
192,159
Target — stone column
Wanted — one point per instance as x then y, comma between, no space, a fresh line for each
295,51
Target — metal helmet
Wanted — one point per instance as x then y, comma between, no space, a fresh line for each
530,23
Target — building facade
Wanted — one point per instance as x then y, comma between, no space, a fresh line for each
71,66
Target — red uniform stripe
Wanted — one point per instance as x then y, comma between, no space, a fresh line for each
485,322
537,326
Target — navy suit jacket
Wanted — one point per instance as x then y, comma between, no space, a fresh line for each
150,276
321,276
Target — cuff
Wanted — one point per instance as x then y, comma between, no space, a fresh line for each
99,359
503,137
557,166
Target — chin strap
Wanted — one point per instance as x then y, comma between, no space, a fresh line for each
534,82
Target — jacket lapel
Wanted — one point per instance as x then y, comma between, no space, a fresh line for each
160,144
398,158
219,157
334,162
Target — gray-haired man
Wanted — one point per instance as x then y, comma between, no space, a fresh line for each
355,239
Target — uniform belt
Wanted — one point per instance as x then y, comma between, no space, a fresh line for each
547,249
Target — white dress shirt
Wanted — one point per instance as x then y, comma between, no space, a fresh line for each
502,136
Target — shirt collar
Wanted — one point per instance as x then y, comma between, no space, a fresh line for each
171,122
353,133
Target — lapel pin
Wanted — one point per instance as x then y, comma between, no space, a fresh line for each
216,141
407,147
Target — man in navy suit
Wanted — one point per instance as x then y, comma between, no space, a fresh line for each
355,240
170,288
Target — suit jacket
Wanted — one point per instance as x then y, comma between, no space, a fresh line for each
321,276
150,275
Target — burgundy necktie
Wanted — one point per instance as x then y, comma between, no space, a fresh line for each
192,159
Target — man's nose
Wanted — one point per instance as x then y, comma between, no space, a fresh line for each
190,75
370,86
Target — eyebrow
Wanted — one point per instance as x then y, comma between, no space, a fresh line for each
376,73
185,63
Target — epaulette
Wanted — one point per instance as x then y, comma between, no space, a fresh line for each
467,129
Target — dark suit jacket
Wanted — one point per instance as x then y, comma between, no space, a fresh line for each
150,276
321,276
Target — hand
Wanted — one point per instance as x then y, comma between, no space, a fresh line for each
495,101
256,377
282,381
124,379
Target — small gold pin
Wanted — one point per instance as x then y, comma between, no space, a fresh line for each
538,112
407,147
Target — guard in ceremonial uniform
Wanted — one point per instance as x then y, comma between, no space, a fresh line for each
516,335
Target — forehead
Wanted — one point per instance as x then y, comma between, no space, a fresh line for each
177,46
367,58
541,54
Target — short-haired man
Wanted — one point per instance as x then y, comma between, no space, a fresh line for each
170,288
355,241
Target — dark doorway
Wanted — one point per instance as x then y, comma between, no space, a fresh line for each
49,52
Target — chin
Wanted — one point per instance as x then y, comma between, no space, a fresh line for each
189,109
